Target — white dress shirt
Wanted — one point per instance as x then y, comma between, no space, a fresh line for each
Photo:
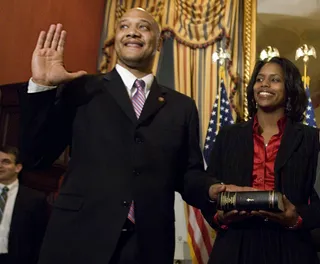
7,216
127,77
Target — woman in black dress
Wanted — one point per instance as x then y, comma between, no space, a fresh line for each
271,151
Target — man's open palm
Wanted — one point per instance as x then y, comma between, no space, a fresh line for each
47,59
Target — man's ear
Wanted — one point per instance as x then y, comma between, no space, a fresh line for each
115,27
160,42
18,167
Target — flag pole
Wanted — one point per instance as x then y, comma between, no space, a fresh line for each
305,52
220,56
268,53
305,75
219,101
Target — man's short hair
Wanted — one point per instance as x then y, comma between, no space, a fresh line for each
13,151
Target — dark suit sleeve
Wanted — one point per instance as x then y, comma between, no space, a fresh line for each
215,163
196,181
311,213
46,124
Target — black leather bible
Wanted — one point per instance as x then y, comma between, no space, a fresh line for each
250,201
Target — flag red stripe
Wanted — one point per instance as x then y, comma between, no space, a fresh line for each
204,230
195,246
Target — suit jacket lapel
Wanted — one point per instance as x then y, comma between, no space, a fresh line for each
246,139
156,100
290,140
117,89
17,215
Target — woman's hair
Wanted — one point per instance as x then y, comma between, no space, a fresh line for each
295,96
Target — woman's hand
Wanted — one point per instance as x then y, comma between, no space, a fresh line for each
233,216
288,218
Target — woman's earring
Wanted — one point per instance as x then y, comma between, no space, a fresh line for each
255,103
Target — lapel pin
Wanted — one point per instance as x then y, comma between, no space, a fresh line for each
160,99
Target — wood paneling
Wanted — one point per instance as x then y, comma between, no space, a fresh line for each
9,115
22,20
20,24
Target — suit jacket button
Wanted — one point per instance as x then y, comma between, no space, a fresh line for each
138,140
136,173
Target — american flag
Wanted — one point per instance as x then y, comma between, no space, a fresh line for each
225,118
201,236
310,116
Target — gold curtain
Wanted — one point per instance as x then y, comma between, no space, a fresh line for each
208,25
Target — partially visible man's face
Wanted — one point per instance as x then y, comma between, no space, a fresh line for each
136,39
9,170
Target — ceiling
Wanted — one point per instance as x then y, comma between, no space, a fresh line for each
286,25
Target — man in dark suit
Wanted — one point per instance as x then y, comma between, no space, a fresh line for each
22,213
134,142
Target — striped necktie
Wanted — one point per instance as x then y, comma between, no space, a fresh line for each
139,97
138,100
3,200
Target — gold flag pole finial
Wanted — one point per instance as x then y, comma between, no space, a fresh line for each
305,52
268,53
220,56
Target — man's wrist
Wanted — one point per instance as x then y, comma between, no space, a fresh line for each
36,88
42,83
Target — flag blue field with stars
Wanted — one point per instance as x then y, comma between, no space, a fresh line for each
310,116
214,124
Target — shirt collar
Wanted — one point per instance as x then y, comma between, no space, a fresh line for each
281,124
128,78
11,186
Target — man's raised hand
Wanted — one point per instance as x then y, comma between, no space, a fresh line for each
47,59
